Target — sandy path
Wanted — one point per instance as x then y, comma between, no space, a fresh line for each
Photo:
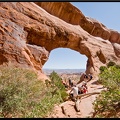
86,106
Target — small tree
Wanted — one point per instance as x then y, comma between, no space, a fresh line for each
107,105
57,83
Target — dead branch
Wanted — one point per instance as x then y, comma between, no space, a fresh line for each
63,110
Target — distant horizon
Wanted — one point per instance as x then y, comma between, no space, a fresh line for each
65,68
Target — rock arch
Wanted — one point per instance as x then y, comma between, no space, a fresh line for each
29,33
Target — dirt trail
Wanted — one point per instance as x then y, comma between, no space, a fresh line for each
86,106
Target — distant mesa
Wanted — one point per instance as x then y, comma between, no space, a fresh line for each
64,71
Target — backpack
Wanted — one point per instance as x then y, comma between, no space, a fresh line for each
91,77
85,76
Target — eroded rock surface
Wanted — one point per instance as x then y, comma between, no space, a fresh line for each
71,14
30,31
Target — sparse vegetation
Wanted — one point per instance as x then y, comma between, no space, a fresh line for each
111,63
107,105
22,95
60,88
102,68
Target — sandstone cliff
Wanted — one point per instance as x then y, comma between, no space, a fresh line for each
29,31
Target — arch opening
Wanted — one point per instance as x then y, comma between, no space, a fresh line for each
65,59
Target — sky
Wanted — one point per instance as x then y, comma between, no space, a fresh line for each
108,13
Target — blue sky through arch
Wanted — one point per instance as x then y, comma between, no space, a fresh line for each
65,58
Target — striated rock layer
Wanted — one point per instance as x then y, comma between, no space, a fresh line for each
29,31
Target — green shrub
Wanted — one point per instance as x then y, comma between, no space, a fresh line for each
111,64
102,68
22,95
18,89
64,95
56,80
117,66
107,104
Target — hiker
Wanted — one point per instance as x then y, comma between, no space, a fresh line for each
74,91
83,77
86,77
70,83
90,77
84,87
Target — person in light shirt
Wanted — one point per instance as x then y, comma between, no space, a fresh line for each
74,91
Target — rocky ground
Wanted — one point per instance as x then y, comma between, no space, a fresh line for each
86,106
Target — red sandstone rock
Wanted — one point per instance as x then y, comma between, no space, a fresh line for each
30,31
